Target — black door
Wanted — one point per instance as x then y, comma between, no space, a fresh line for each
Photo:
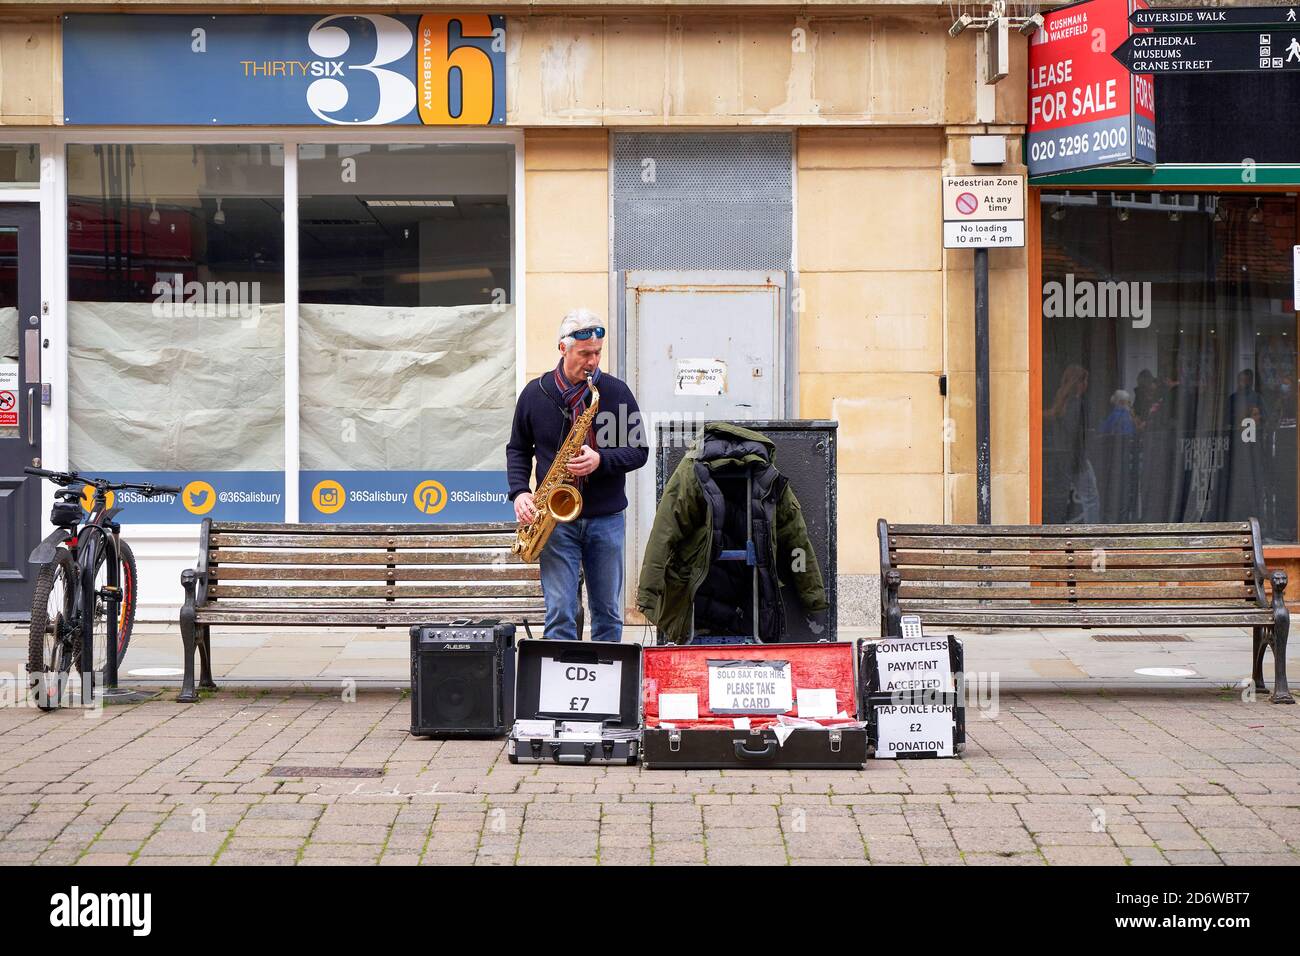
20,403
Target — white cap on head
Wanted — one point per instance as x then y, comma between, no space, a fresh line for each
574,321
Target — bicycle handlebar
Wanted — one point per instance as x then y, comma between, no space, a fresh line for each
65,478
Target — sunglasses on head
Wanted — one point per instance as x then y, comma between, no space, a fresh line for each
584,334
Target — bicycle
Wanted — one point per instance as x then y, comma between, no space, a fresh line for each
85,595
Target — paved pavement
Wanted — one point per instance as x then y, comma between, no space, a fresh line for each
1093,776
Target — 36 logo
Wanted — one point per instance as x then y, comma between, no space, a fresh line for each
328,496
430,496
436,62
476,69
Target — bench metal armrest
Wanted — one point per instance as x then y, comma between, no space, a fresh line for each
891,615
1278,578
195,585
890,620
195,582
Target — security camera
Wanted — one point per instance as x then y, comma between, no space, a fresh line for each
1031,24
961,23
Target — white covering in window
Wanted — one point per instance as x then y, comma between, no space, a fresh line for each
154,388
9,334
384,387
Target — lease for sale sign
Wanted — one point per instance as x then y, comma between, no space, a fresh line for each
1085,109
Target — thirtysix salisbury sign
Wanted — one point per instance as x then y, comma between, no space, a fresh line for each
342,69
1085,109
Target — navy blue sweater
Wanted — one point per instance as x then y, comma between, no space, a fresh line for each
542,422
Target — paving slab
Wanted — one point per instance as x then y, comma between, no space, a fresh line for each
1095,774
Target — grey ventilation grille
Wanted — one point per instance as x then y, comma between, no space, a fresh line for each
702,201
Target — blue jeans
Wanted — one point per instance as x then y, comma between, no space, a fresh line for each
596,546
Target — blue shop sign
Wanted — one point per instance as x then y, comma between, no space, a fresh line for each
404,496
220,495
267,70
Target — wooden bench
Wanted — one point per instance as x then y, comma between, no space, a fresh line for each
1124,575
340,575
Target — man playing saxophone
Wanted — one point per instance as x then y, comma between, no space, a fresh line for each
546,411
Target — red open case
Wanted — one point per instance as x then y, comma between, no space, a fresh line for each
737,722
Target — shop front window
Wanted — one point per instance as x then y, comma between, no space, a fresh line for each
176,318
406,330
20,165
1169,359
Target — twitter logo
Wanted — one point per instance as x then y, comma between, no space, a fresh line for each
199,497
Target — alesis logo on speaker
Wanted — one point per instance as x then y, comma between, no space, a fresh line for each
457,647
75,909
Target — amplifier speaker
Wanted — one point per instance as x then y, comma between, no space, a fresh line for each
462,679
806,454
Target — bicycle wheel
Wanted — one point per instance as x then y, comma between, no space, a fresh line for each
125,608
53,634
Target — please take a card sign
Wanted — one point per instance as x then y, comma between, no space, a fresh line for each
749,687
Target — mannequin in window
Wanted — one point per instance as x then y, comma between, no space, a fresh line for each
1073,483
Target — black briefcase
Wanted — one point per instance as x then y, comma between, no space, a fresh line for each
577,702
911,698
462,679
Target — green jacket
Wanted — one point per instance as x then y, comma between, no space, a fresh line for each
678,555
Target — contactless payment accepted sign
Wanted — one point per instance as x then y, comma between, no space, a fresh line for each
1085,108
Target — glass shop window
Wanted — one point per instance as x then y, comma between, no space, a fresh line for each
20,165
175,307
1169,359
406,322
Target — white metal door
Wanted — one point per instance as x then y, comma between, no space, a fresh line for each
707,344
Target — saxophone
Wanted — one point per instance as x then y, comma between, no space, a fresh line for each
556,499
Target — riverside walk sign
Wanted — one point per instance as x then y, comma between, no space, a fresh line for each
1214,17
1192,52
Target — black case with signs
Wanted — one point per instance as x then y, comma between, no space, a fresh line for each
729,748
872,697
620,727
